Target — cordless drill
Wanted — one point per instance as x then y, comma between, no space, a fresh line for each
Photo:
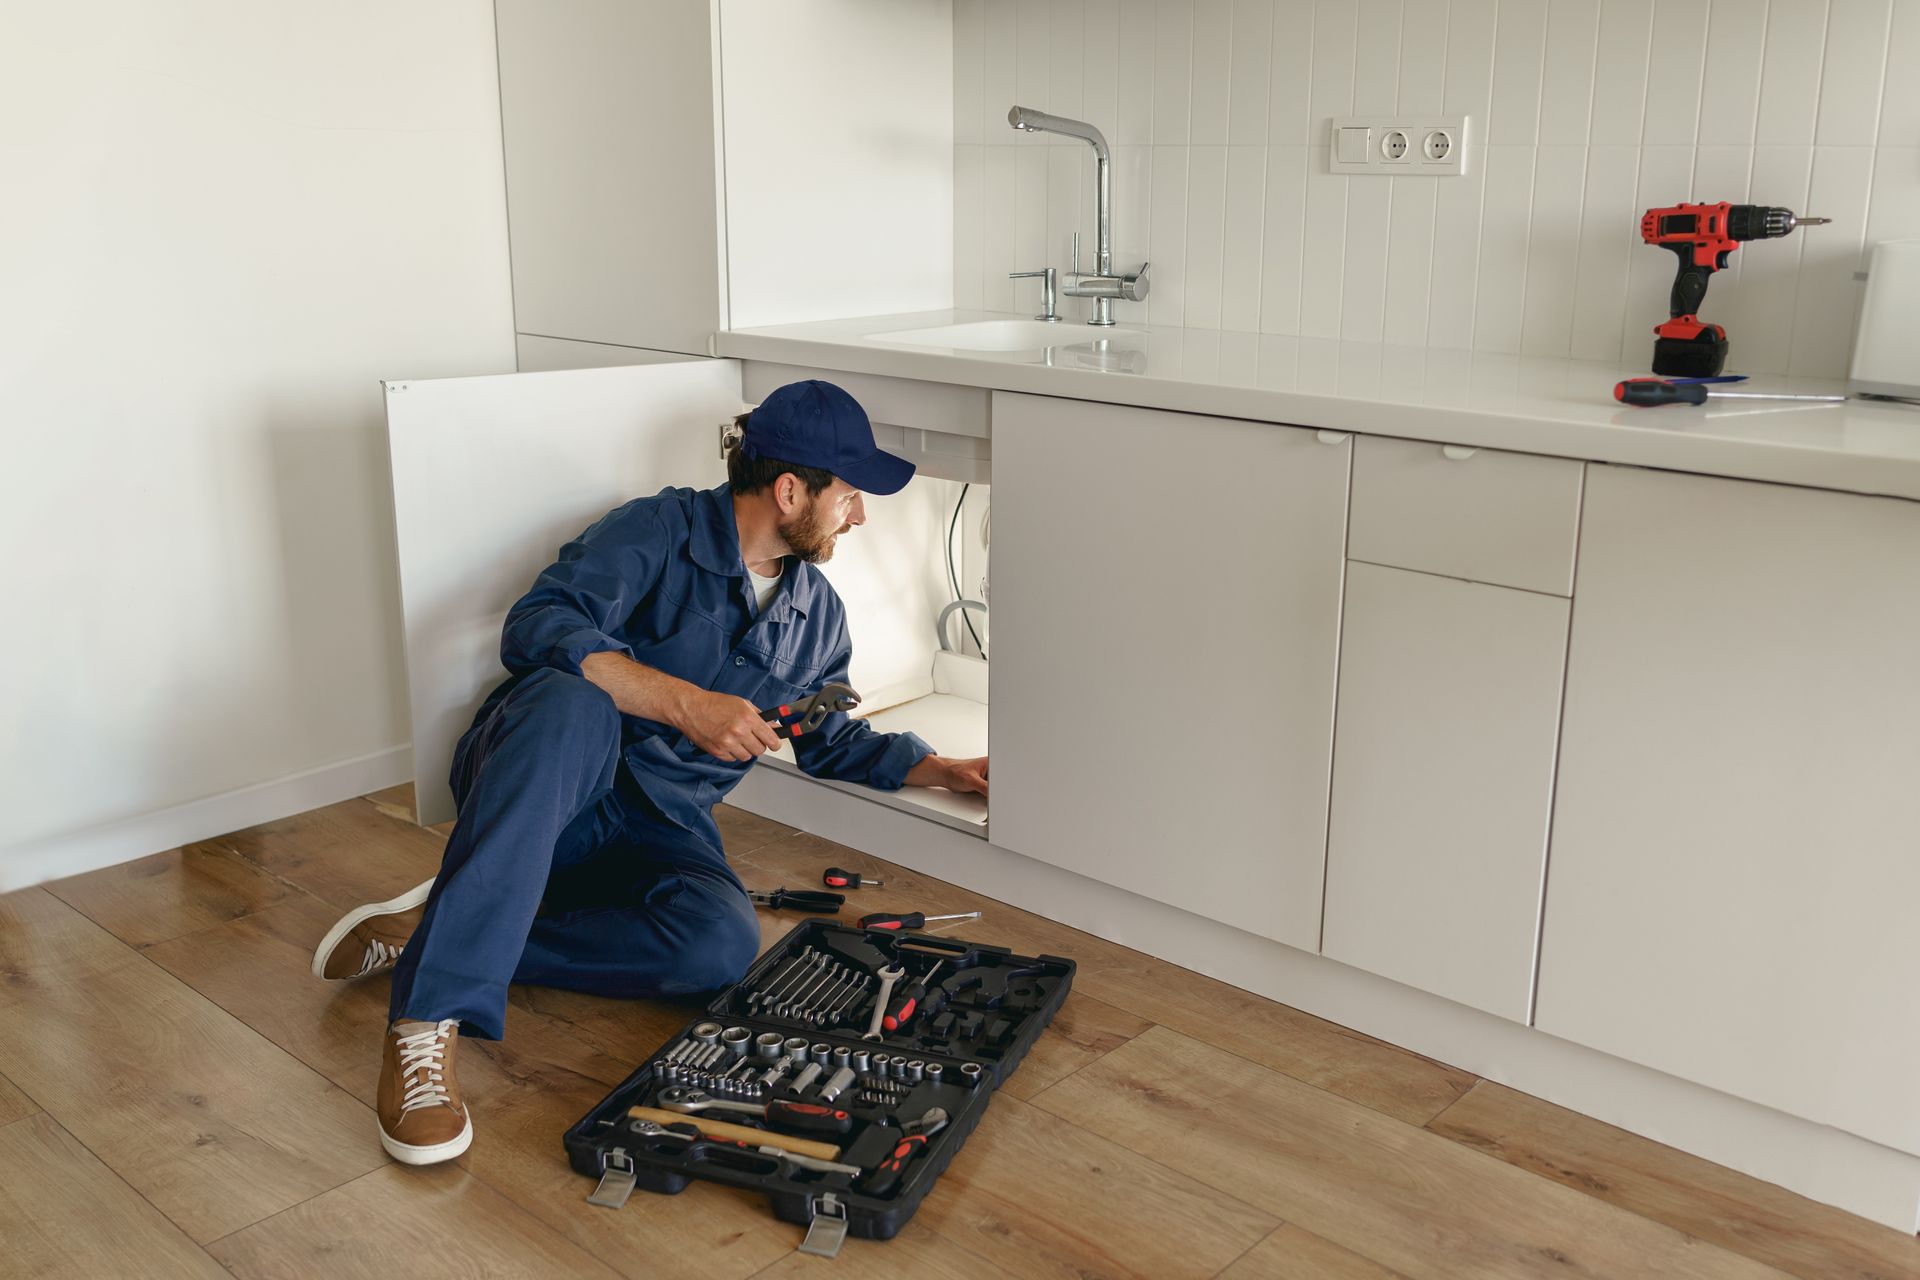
1702,236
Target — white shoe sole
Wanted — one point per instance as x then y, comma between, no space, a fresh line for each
427,1155
411,898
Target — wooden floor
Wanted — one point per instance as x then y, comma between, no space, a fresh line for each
178,1095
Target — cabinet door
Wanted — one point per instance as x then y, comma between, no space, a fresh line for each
1736,833
1442,783
1166,596
490,476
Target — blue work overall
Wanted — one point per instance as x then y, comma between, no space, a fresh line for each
585,853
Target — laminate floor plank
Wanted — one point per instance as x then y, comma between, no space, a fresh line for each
1085,1029
64,1214
706,1232
1040,1196
213,1124
14,1105
163,896
742,832
1703,1199
1371,1072
1293,1254
400,1221
1389,1191
916,1253
396,802
344,854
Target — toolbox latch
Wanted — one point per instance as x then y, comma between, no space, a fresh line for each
828,1230
616,1180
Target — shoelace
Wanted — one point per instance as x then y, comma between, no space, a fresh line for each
424,1053
379,956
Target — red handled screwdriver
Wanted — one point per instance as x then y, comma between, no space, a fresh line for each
916,1132
837,878
911,920
902,1011
1651,392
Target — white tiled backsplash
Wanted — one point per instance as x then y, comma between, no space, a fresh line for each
1584,114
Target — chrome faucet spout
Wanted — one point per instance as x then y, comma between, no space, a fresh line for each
1028,120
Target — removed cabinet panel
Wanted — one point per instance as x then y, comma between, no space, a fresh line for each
1736,834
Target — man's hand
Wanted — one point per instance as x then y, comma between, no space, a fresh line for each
726,727
954,775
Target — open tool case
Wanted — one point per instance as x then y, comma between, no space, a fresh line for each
983,1009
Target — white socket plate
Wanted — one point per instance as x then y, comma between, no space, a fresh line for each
1370,144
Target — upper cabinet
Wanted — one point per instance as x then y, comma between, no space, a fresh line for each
1736,832
670,173
1166,602
613,206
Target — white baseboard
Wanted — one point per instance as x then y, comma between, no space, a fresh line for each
115,842
1815,1160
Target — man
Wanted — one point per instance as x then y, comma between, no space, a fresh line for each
585,853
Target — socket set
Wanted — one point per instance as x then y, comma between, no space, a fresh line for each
819,1078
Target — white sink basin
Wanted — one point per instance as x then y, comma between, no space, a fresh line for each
1003,335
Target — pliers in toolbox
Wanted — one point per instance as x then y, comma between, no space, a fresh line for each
790,720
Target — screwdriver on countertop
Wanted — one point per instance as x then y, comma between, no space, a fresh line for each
908,920
1652,392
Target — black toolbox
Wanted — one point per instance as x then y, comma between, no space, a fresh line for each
984,1008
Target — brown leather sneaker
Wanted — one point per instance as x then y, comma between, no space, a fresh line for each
422,1120
369,938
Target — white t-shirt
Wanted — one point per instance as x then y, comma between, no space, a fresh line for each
763,589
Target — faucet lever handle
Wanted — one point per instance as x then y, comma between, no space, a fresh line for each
1076,253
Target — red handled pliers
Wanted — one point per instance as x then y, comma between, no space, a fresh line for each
790,720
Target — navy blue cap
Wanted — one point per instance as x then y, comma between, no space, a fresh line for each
816,424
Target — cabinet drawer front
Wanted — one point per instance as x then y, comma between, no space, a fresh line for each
1444,739
1480,514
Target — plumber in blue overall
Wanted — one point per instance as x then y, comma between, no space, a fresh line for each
585,853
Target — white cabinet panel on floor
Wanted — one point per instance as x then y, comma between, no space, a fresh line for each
1443,783
1166,594
1736,837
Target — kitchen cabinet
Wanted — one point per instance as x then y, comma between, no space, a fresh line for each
1443,755
1736,832
1166,603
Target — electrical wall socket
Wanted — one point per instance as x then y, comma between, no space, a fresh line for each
1428,146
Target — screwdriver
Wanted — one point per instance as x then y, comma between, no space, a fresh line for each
1652,392
914,1137
911,920
798,899
902,1011
836,878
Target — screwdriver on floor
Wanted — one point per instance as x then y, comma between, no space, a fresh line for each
837,878
1652,392
910,920
902,1010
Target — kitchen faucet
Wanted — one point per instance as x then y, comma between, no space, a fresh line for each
1103,286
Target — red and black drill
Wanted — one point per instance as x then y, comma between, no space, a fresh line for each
1702,236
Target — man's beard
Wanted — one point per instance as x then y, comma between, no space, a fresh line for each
807,536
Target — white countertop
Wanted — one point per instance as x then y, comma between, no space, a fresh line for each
1527,403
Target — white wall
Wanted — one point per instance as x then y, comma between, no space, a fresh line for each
838,127
1586,112
223,224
